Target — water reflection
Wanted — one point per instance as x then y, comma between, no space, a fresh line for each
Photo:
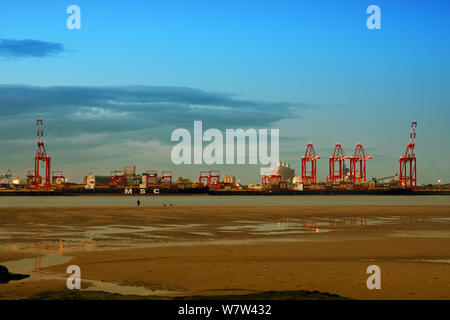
62,246
300,226
34,265
90,245
46,238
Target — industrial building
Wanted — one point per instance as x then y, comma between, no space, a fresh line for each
283,170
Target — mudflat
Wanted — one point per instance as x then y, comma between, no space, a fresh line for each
224,250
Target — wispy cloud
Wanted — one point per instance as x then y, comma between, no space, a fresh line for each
99,128
81,110
29,48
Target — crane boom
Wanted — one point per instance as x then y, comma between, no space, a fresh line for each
412,134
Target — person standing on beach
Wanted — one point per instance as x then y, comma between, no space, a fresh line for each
138,202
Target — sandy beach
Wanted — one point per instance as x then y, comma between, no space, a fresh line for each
177,251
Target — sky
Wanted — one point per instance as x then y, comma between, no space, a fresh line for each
112,92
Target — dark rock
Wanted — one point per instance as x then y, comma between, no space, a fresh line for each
6,276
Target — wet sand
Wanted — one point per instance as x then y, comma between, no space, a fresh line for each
210,251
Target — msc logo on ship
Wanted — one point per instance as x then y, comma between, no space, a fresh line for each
141,191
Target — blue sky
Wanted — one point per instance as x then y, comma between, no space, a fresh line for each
310,68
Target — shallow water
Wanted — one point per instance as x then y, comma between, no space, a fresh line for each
47,238
63,238
198,200
125,289
33,266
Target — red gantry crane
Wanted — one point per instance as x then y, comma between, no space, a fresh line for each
338,157
117,177
166,176
310,157
214,179
30,179
210,179
204,179
41,157
152,177
358,164
408,170
58,177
